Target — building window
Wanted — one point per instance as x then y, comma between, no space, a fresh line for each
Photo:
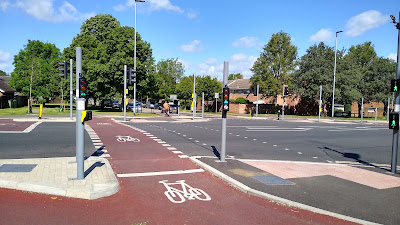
239,92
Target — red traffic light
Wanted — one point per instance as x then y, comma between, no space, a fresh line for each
226,91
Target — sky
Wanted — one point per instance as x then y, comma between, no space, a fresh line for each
202,34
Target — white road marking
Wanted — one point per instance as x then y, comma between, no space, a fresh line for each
299,153
177,152
171,148
160,173
274,145
166,145
183,156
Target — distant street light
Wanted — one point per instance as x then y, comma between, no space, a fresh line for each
334,78
134,64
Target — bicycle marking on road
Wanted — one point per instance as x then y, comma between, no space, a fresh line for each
121,138
149,174
186,192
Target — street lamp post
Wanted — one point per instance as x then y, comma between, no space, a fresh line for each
134,65
334,77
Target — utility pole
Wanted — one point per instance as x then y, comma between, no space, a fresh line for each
80,128
224,111
320,103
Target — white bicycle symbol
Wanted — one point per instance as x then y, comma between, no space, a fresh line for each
126,138
179,196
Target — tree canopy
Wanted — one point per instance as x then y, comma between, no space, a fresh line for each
37,62
169,72
2,73
106,48
275,65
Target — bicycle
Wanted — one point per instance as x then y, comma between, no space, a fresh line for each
126,138
179,196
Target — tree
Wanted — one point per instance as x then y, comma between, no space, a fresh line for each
2,73
184,89
233,76
106,48
315,69
209,86
169,72
275,65
36,66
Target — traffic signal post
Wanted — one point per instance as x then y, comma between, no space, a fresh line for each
80,128
225,109
394,117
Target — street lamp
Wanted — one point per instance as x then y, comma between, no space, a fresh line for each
134,65
334,77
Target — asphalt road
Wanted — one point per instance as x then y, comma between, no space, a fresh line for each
55,139
280,140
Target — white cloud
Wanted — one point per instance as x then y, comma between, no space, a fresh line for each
323,35
211,61
156,5
4,66
191,15
4,5
238,63
359,24
192,47
4,57
44,10
120,7
393,56
185,64
246,42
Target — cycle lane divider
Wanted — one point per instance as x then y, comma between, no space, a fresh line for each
163,185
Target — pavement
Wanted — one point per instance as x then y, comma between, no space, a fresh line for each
360,194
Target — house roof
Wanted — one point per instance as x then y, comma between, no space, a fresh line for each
4,87
239,84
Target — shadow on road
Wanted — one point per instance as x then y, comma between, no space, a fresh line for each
353,156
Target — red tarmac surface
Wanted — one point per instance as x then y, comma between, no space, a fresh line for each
143,199
11,125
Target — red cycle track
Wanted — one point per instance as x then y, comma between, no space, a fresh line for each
11,125
142,199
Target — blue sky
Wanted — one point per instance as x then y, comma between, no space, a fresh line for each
203,34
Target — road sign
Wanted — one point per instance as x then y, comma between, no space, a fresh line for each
216,95
173,97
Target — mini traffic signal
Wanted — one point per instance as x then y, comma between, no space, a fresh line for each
394,85
225,99
83,84
63,69
394,121
285,90
131,76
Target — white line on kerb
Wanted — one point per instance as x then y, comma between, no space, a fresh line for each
159,173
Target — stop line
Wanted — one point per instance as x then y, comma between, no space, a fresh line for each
272,128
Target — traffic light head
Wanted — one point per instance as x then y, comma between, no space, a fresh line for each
394,85
83,84
285,90
394,121
225,99
131,76
63,69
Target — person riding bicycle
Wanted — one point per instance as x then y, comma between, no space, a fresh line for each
166,108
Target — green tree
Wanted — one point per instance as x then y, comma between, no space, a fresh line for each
209,86
275,65
315,69
233,76
36,66
2,73
184,90
106,48
169,72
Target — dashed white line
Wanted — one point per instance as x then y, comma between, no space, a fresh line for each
159,173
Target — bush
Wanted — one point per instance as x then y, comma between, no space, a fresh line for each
241,101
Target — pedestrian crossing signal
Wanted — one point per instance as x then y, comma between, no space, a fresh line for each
394,85
394,121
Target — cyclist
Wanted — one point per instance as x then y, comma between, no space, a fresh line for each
166,108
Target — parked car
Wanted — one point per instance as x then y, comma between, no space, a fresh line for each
138,107
173,109
108,103
115,103
150,105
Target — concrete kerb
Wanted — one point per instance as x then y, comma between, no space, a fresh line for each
93,192
242,187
